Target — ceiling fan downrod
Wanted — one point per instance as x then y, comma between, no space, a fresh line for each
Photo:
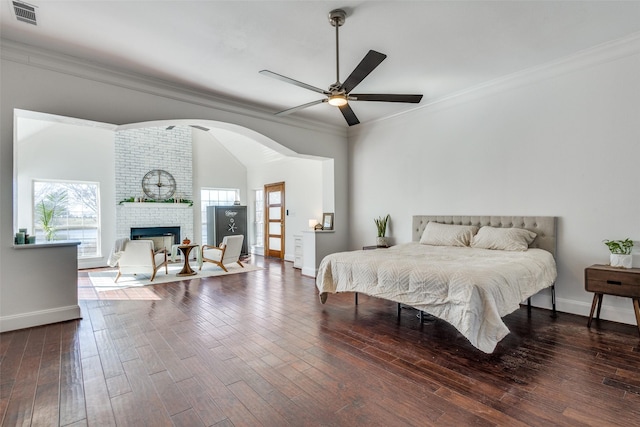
336,19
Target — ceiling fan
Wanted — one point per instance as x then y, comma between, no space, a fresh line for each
339,94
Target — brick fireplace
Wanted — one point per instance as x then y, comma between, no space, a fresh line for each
137,151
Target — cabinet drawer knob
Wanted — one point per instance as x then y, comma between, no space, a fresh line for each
614,282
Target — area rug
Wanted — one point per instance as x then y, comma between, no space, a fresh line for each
104,280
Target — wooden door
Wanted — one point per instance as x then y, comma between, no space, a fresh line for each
274,220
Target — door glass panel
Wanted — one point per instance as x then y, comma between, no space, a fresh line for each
274,213
275,228
274,198
274,243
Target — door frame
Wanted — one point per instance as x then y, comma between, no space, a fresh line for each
276,186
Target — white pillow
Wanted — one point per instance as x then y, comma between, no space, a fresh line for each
437,234
506,239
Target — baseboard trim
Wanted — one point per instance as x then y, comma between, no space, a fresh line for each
257,250
38,318
581,308
613,314
311,272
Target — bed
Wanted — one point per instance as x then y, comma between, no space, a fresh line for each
453,275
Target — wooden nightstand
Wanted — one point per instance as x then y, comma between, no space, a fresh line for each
622,282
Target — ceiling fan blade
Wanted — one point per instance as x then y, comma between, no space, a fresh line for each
414,99
300,107
292,81
349,115
369,63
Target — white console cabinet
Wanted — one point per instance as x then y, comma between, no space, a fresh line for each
298,251
315,246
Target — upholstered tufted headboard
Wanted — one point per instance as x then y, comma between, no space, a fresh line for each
543,226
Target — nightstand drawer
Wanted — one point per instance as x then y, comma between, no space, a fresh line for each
613,281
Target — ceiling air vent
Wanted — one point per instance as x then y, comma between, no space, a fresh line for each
25,13
200,127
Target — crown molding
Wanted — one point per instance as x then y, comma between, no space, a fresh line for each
29,55
600,54
13,51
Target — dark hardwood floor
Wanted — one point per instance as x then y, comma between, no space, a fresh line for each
259,349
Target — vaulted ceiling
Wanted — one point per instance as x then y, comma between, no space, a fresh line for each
436,48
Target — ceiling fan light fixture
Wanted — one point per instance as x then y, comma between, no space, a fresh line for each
338,100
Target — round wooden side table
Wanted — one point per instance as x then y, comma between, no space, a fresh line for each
186,268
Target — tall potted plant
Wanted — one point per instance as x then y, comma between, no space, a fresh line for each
381,225
620,252
51,206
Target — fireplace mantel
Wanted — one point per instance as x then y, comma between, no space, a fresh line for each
161,205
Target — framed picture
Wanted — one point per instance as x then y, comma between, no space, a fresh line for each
327,221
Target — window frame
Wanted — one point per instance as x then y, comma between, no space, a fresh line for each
68,228
203,206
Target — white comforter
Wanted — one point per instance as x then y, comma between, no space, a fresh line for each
469,288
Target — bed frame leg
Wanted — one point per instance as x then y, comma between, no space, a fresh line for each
554,313
356,298
399,310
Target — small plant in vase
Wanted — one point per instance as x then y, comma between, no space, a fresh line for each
381,225
620,252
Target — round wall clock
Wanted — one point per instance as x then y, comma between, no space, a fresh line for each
158,184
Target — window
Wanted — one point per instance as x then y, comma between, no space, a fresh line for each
215,197
259,222
68,210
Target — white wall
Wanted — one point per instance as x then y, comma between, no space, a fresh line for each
562,141
67,87
303,180
214,167
62,151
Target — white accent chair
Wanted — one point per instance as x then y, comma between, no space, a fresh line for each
139,257
227,252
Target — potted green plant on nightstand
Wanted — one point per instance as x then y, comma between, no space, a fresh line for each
381,225
620,252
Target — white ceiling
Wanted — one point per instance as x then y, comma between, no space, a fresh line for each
217,47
